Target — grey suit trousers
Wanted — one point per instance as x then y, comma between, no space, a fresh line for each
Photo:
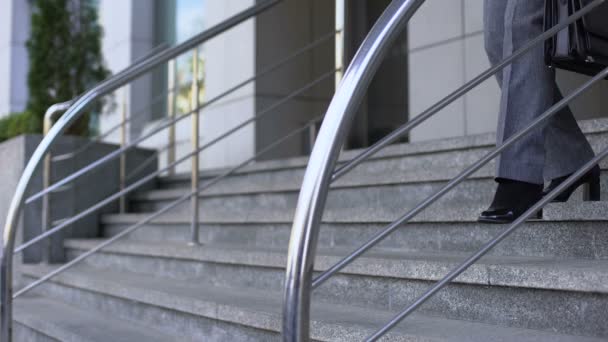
528,89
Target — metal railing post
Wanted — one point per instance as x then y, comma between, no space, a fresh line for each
171,115
75,111
123,142
339,42
194,200
45,249
311,200
6,296
47,174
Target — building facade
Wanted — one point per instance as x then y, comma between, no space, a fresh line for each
441,49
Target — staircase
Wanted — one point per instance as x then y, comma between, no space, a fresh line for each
547,282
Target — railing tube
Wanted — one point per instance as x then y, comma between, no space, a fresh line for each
171,115
194,175
303,241
72,114
47,174
122,173
518,222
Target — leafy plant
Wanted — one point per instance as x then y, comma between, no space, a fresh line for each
65,56
17,124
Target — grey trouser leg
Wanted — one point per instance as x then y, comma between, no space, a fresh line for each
528,89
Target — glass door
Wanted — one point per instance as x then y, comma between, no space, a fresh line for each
385,106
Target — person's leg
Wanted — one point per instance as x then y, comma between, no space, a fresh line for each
494,31
527,91
566,147
524,95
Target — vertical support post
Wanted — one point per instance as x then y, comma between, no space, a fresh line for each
339,42
123,143
171,115
194,200
312,136
46,200
6,297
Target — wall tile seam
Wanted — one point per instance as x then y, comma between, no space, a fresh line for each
444,42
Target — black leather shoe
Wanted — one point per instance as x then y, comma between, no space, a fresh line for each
512,199
591,181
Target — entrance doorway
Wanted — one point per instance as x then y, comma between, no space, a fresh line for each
385,107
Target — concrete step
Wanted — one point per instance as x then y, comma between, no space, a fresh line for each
438,160
274,209
481,141
224,314
526,292
587,239
426,153
356,204
43,319
390,200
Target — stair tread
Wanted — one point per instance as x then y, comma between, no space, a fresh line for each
261,309
66,323
292,185
589,126
553,212
515,271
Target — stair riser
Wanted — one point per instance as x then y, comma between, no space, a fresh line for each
380,201
22,333
439,165
161,318
411,168
587,240
562,311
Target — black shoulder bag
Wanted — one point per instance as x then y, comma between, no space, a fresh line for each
581,47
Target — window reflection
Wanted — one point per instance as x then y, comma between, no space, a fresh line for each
176,22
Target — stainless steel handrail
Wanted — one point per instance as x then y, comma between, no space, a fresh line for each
344,169
49,118
112,129
517,223
323,39
141,182
72,114
319,173
453,183
303,241
168,207
170,122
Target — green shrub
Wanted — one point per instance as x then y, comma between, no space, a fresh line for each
19,123
65,56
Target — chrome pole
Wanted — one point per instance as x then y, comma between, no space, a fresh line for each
171,114
6,256
194,200
304,233
161,211
339,42
381,235
73,113
504,234
123,142
45,248
6,296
